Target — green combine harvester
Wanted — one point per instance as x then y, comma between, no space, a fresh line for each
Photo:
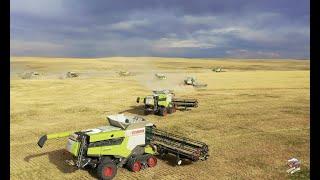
218,69
160,76
130,142
163,102
125,73
192,81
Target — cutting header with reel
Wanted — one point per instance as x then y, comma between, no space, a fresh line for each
129,142
163,102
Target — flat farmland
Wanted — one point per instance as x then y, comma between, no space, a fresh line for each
254,116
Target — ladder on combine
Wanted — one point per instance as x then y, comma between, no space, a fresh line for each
79,162
181,147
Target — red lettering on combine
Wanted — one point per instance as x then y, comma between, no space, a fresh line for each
137,132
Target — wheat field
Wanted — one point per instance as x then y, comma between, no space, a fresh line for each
254,117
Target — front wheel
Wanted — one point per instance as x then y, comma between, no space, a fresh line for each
163,111
106,170
171,110
146,112
134,165
151,161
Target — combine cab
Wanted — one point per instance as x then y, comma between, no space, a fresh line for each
189,81
164,102
129,142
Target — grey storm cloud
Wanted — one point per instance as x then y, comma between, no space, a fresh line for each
205,28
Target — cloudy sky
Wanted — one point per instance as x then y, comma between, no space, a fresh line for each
171,28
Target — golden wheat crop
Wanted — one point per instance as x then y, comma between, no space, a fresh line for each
254,117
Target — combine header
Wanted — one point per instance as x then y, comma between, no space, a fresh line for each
181,147
164,102
185,103
130,142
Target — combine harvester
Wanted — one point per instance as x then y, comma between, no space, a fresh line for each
125,73
192,81
218,69
163,102
130,142
160,76
71,74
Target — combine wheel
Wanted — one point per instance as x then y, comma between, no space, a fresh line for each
152,161
174,109
134,165
163,111
106,170
146,112
171,110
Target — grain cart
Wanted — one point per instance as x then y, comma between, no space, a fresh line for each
130,142
163,102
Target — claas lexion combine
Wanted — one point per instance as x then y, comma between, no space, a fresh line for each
160,76
130,142
163,102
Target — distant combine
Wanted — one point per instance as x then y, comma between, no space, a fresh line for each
72,74
30,75
218,69
163,102
160,76
192,81
125,73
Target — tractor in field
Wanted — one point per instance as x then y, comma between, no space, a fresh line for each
163,102
192,81
130,142
160,76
